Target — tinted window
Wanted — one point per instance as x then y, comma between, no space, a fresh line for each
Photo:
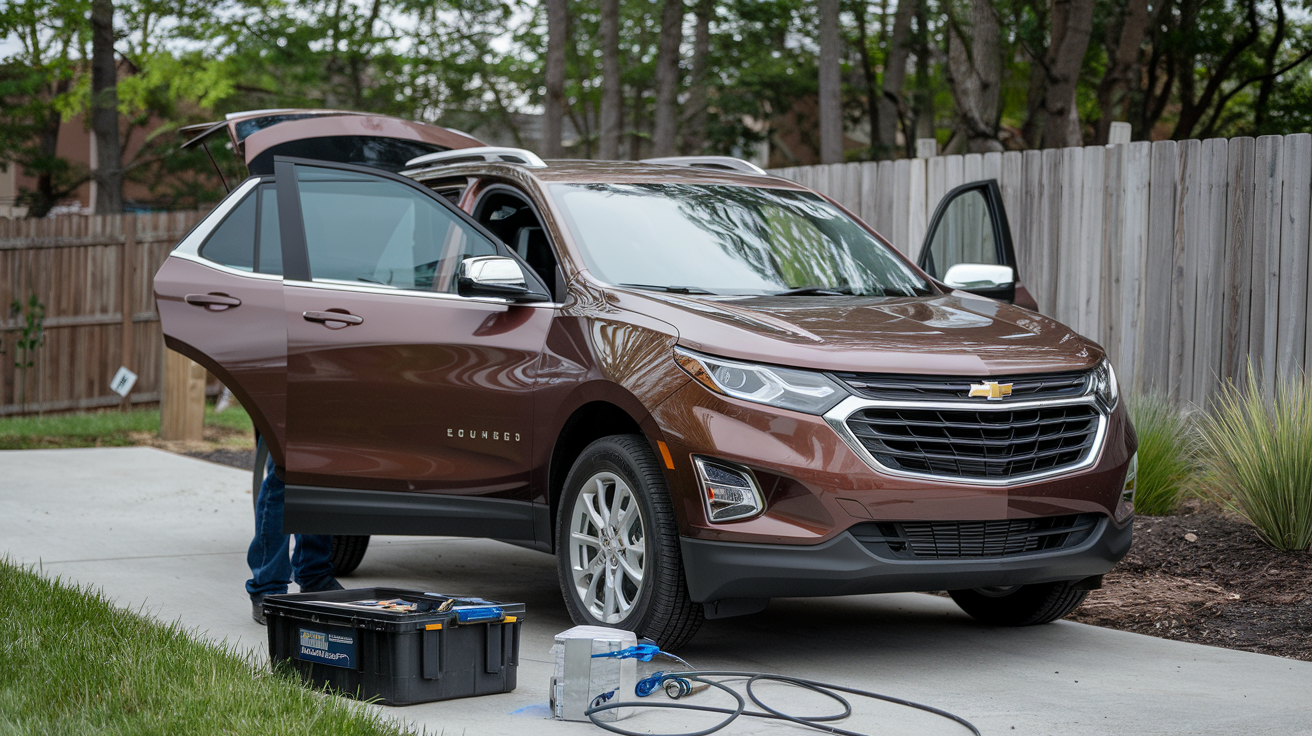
964,235
728,240
270,239
367,230
233,242
390,154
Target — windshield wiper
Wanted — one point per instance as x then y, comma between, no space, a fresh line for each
814,291
672,289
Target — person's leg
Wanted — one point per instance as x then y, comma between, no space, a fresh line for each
267,556
312,563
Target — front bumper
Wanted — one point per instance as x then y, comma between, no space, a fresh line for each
844,566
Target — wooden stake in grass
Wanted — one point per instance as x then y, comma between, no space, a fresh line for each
1260,451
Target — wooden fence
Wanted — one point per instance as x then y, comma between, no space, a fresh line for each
94,276
1185,260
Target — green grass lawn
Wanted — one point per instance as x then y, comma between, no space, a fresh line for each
112,428
72,663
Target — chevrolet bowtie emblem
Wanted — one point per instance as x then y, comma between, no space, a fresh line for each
991,390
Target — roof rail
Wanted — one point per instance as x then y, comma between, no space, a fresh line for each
495,154
709,162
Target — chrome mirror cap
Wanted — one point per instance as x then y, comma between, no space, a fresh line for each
979,276
498,277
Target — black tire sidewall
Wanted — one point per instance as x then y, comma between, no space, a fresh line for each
610,454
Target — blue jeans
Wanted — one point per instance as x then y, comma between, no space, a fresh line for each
270,568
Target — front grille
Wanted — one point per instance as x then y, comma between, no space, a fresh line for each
977,444
939,388
937,540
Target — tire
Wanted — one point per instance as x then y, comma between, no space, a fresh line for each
645,539
1026,605
348,552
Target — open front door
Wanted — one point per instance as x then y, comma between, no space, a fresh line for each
968,245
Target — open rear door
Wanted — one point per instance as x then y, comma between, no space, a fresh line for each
968,245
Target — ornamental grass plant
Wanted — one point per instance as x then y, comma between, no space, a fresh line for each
1259,453
1166,455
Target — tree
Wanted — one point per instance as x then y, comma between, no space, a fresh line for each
667,79
695,112
1072,24
891,108
975,75
104,110
612,92
831,92
1123,51
554,104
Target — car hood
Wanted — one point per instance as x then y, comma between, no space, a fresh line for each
946,334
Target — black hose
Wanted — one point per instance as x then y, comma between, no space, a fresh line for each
818,723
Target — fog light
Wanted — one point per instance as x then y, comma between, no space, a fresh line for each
1125,508
729,492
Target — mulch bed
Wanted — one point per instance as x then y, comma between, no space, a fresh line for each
1205,577
237,458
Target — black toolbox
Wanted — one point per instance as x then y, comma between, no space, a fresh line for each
397,658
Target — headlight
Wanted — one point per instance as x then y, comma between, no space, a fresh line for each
785,388
1102,382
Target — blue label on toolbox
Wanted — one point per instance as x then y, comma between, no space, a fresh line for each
336,648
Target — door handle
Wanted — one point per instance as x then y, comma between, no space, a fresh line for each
214,301
333,320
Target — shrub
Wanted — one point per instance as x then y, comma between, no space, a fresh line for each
1166,456
1260,452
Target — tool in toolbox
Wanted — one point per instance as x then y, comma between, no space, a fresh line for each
397,646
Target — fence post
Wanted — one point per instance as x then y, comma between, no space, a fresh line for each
1119,134
182,399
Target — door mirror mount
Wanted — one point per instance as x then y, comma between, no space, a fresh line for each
497,277
969,276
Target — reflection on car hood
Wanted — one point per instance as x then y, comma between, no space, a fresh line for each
952,334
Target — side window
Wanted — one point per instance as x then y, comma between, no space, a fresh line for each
964,234
249,234
362,229
511,219
269,242
232,243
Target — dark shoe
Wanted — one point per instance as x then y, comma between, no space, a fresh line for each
324,585
257,609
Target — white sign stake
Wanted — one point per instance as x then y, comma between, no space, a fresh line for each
123,381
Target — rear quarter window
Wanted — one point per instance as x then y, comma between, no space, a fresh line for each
249,233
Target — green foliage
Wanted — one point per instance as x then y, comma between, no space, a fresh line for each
1259,446
71,662
111,428
31,334
1166,455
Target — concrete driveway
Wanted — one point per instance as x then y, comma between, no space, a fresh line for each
168,534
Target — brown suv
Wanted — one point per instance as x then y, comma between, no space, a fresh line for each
701,386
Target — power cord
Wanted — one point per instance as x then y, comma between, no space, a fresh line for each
679,684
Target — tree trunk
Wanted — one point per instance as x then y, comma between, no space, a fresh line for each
553,115
891,106
694,136
1120,68
831,92
611,84
924,98
667,79
872,84
1269,80
975,75
1072,24
104,110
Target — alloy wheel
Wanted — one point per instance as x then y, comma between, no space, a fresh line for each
607,547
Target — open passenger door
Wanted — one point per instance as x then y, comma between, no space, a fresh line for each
968,245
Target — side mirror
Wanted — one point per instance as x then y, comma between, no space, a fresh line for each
498,277
969,276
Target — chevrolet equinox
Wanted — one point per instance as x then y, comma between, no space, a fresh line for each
698,385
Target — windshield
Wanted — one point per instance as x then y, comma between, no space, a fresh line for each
720,239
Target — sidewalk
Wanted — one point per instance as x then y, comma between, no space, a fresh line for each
168,534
